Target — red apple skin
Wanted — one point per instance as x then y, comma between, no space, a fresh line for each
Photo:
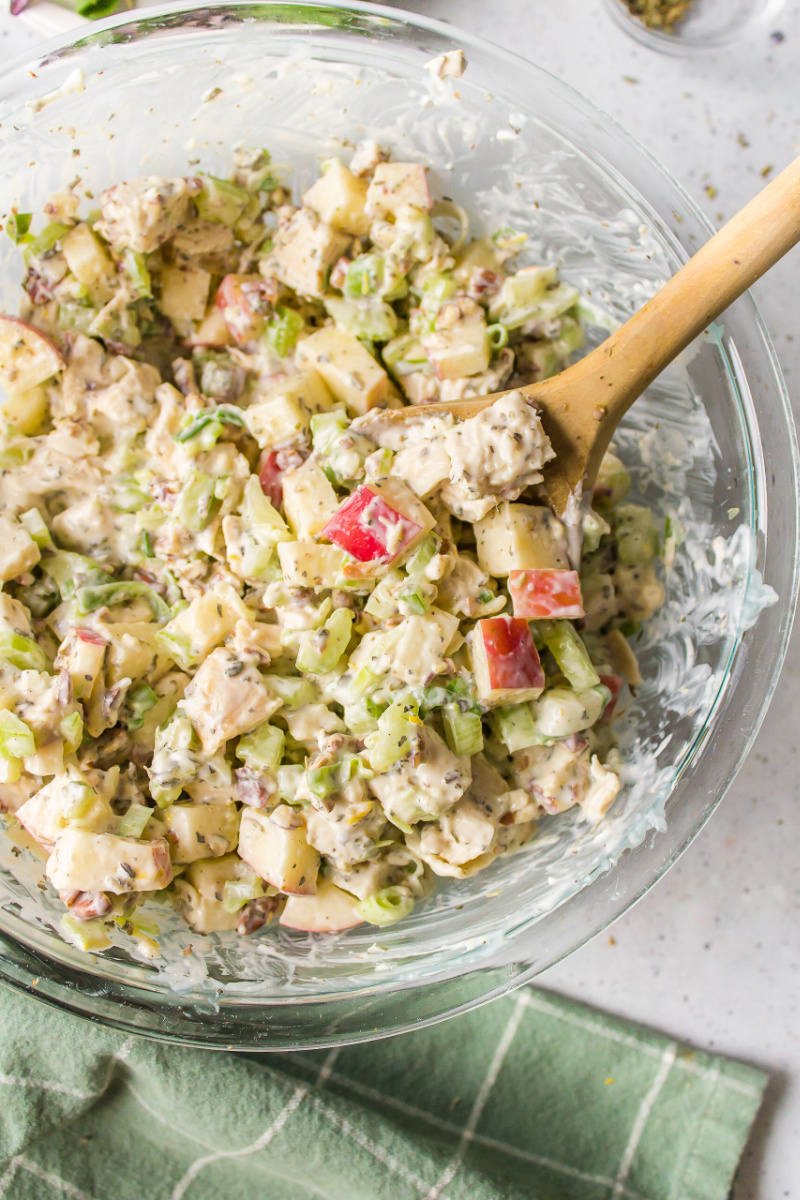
36,344
245,302
89,635
274,466
511,657
614,684
539,595
362,526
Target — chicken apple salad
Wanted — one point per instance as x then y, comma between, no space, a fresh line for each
263,655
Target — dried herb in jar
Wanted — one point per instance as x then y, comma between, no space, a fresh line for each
659,14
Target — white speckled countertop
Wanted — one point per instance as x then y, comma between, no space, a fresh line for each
712,955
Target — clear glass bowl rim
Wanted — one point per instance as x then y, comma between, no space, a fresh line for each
368,1014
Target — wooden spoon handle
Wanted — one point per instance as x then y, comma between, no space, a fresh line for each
721,270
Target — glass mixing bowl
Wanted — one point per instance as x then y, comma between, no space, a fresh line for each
154,93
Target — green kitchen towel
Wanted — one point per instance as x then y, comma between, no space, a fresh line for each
532,1096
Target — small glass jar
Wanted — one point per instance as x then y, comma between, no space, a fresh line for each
707,25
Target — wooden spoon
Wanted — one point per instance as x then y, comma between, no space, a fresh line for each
581,407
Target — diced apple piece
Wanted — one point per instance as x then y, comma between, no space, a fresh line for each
18,551
274,465
196,831
521,537
505,661
305,249
245,302
396,186
27,411
330,911
379,522
46,815
276,847
309,501
184,294
540,595
460,347
27,356
226,697
200,893
103,862
305,564
83,654
89,263
204,624
212,331
284,416
349,370
623,657
338,198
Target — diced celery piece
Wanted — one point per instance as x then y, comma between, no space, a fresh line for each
108,594
290,776
261,750
593,528
636,533
23,653
196,501
564,643
561,711
463,730
16,738
284,330
238,892
323,781
364,276
515,727
370,318
613,482
221,201
386,906
34,524
133,823
415,603
175,760
295,693
326,428
88,936
319,650
135,266
78,318
361,717
83,797
127,496
259,513
139,700
427,550
436,290
398,729
71,730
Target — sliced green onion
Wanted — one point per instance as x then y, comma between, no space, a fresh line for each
261,750
415,603
17,226
564,643
283,332
364,276
208,422
135,266
16,738
498,336
45,240
427,550
463,730
396,736
386,906
23,652
133,823
323,781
